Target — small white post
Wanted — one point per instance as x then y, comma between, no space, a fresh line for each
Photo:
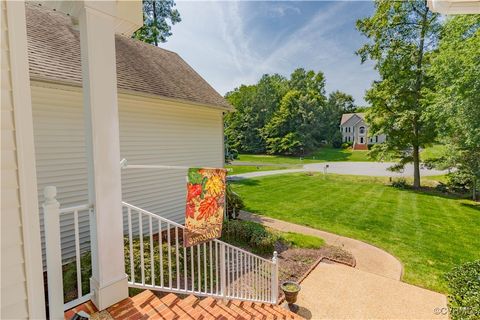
274,278
51,213
223,273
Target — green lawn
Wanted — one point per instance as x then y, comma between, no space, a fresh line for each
234,169
322,155
433,152
430,233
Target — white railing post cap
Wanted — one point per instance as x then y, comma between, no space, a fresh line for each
50,192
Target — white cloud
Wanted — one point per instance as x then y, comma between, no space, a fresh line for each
224,42
282,9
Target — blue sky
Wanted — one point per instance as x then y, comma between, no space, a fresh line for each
232,43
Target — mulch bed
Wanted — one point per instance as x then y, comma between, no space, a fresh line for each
296,264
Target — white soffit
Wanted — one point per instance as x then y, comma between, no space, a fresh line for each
455,6
128,13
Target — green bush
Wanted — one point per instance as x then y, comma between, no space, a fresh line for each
234,203
464,297
250,234
346,145
259,239
400,183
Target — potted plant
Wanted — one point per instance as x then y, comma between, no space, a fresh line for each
290,289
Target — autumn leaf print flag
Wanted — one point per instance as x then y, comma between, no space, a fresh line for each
205,205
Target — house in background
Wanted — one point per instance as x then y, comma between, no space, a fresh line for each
354,129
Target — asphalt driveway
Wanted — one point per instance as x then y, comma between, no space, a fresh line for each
375,169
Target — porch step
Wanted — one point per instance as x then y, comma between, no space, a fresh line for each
147,305
359,146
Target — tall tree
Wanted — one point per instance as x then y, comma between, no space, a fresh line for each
156,16
255,105
402,33
295,128
456,70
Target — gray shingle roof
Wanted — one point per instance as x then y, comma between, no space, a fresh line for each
54,55
347,116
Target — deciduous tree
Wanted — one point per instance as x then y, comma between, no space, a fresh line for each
402,34
456,71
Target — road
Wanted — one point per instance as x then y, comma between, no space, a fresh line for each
375,169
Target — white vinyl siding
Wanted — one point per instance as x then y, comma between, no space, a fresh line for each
152,131
13,278
162,134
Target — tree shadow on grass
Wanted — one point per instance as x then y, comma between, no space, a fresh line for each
430,191
244,182
474,206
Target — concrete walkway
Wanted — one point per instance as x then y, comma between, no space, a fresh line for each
376,169
334,291
371,290
368,258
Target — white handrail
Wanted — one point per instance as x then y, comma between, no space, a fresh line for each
214,268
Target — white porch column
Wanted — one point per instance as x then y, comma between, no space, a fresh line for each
97,39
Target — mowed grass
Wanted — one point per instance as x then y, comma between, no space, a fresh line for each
234,169
429,233
433,152
322,155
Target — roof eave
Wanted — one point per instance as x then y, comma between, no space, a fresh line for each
63,83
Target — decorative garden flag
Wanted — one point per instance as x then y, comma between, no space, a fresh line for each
205,205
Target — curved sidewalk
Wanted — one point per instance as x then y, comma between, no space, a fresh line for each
371,290
368,258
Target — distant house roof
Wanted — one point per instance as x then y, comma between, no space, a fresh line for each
348,116
54,55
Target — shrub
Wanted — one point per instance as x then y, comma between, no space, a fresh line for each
251,234
441,187
337,140
459,182
400,183
464,297
346,145
234,203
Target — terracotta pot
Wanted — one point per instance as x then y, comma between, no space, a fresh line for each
290,289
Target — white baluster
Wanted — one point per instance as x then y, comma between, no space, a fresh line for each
77,254
152,258
205,266
192,265
169,244
274,277
198,270
185,285
211,268
177,256
51,211
130,243
222,270
217,268
160,250
142,258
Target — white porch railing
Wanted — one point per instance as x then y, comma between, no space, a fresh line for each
52,213
157,260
